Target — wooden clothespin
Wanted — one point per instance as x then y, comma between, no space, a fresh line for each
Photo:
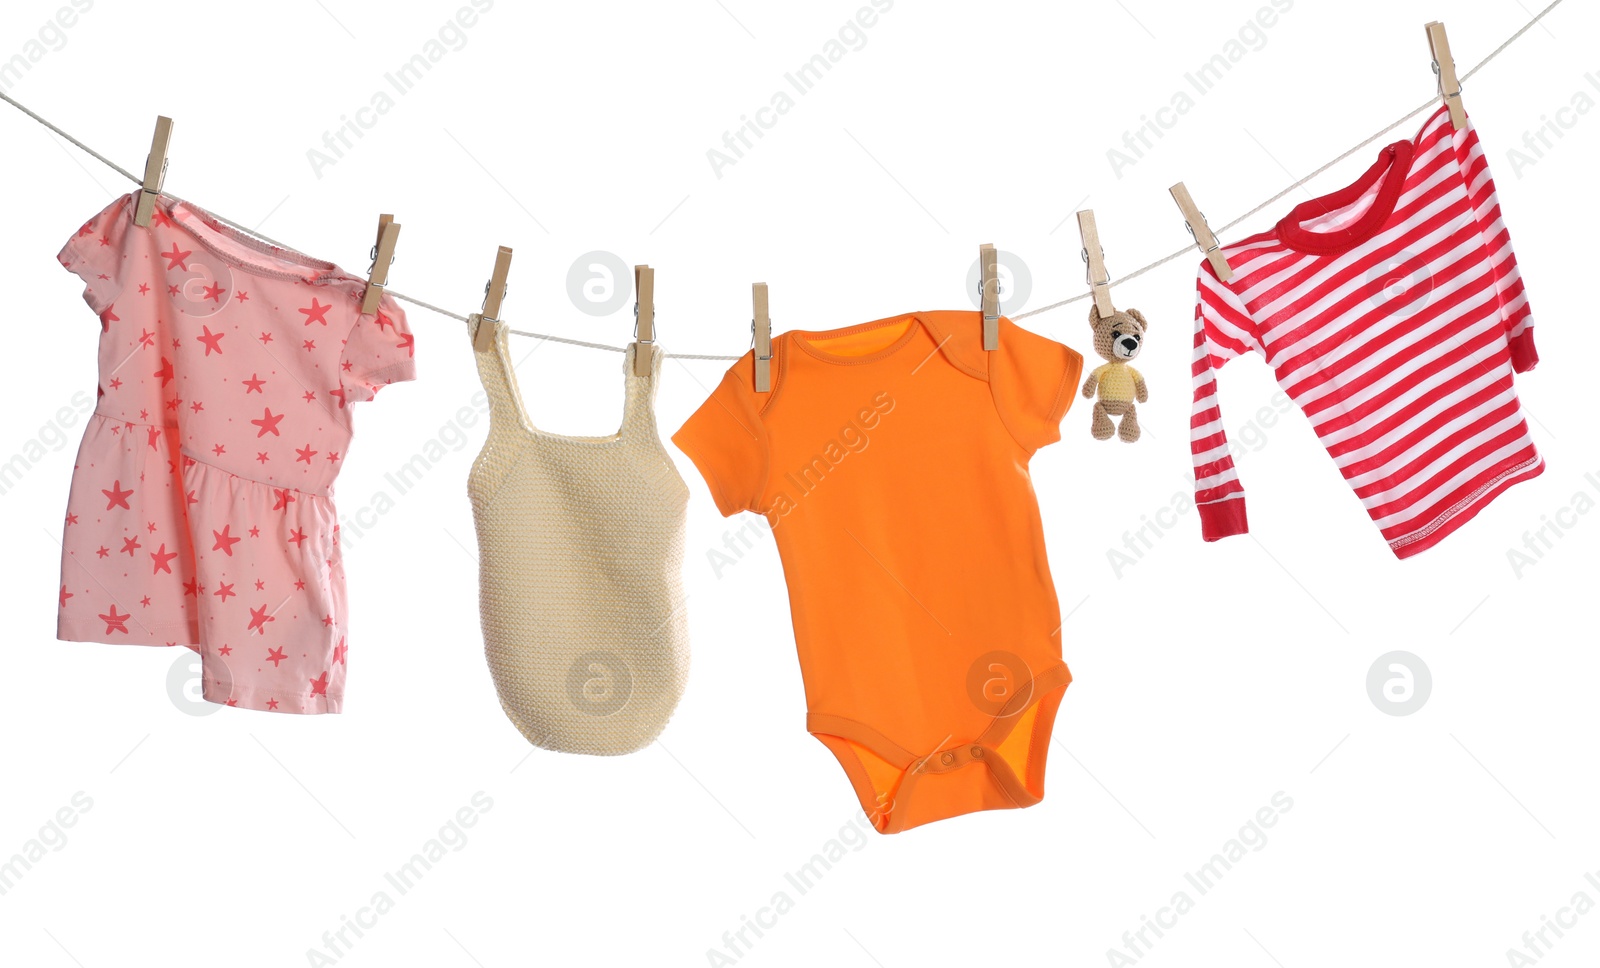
1445,66
1094,258
644,319
494,293
761,336
155,173
382,258
989,294
1203,236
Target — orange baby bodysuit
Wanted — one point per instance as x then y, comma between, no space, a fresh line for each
891,459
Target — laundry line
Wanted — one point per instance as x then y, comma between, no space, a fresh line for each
1300,183
255,233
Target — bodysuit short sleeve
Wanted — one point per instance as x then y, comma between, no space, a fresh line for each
97,254
1034,380
379,351
727,442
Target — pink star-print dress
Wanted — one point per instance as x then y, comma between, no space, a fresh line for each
201,511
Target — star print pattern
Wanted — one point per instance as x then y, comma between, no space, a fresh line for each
174,455
116,497
224,543
316,313
268,423
163,559
259,619
115,622
212,340
177,260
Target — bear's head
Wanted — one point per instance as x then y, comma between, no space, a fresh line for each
1120,336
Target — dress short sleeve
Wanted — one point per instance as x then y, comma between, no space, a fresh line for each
98,254
728,443
1034,381
379,351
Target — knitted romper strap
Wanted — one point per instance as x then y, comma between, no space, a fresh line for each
581,544
508,417
508,432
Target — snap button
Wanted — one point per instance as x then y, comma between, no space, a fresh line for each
947,759
977,752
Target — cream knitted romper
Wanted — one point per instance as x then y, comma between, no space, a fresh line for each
581,570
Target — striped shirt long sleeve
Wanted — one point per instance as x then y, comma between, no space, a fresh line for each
1393,314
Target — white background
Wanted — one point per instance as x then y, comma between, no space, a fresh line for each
1209,677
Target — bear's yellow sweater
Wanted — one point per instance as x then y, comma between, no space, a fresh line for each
1117,381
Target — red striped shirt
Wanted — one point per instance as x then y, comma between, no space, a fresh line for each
1393,314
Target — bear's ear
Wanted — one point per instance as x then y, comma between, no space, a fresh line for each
1138,316
1094,316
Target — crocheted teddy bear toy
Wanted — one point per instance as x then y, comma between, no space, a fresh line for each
1118,339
